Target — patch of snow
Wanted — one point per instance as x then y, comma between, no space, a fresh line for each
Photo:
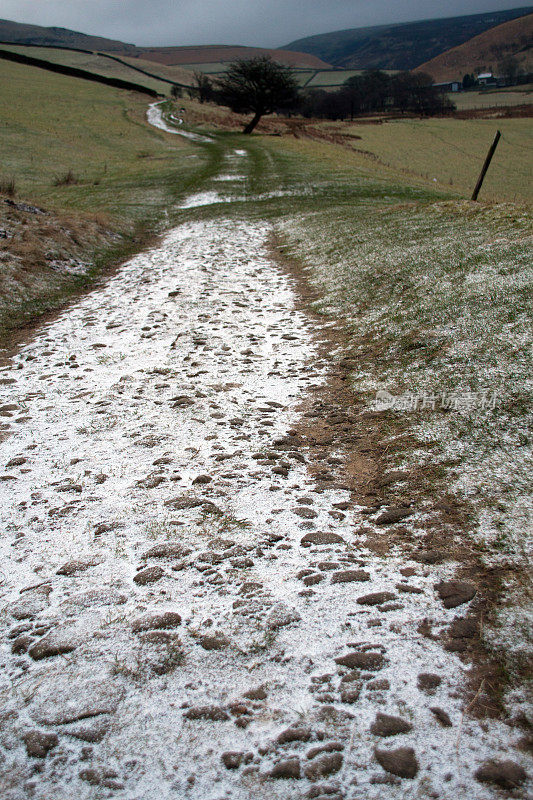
154,115
203,199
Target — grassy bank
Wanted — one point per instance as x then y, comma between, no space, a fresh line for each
84,154
56,125
435,297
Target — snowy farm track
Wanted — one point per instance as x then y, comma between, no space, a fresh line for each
186,612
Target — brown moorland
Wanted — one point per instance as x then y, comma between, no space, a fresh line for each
485,51
207,54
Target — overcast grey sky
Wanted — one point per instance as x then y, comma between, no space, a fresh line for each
262,23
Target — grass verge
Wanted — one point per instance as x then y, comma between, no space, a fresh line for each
435,300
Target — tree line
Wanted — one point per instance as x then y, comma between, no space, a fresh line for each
262,86
377,91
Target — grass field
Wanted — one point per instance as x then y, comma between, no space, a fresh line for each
173,73
450,152
209,68
99,65
333,79
123,167
494,98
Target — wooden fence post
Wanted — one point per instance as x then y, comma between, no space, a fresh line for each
486,165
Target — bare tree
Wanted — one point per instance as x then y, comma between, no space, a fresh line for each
259,86
203,88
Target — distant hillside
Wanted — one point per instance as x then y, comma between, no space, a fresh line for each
400,46
211,54
484,52
20,33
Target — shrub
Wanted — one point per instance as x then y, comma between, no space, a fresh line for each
7,186
68,179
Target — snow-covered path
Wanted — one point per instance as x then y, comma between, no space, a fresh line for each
186,612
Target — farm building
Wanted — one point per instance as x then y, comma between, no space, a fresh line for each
486,78
448,86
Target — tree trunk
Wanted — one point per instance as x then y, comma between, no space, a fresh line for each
253,122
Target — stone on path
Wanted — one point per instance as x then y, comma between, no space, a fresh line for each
454,593
387,725
287,768
506,774
375,598
168,619
281,615
323,765
212,713
350,576
393,515
370,661
148,575
38,744
401,762
320,538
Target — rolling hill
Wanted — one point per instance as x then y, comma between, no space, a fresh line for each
484,52
211,54
20,33
148,74
400,46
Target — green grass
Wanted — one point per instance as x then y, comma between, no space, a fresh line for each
436,299
493,98
126,179
210,68
334,79
91,62
173,72
450,153
125,168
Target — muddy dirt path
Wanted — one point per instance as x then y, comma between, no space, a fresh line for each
186,612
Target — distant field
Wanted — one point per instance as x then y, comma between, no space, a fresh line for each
493,98
450,152
97,64
210,54
179,74
330,79
308,78
209,67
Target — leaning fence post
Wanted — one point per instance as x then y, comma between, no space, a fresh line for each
486,165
